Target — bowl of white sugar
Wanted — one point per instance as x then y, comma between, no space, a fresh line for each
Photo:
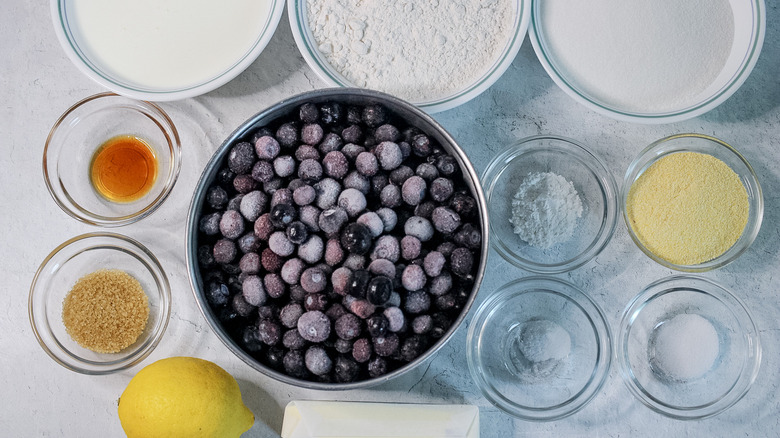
552,204
436,55
648,62
160,52
687,347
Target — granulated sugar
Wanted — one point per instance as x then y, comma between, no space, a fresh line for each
684,347
545,210
419,51
639,55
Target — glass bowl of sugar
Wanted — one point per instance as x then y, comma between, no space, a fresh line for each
539,348
552,204
687,347
648,62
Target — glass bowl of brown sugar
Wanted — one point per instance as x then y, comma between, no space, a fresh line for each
110,160
99,303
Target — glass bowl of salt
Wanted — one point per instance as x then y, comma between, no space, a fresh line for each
552,204
539,348
687,347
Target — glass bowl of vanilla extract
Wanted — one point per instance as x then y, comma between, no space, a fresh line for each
110,160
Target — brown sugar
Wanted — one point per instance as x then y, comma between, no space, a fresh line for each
105,311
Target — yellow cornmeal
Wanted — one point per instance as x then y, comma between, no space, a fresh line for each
105,311
688,208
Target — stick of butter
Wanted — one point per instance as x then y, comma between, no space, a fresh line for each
320,419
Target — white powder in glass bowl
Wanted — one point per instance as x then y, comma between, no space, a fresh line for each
684,347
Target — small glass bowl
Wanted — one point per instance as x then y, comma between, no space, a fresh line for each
81,130
547,390
594,184
733,371
76,258
749,30
720,150
304,38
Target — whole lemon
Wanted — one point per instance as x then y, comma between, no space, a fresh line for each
183,397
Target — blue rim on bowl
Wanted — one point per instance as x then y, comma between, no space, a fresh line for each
304,38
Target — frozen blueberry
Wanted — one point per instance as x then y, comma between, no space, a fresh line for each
271,261
440,284
352,134
289,315
235,202
389,218
356,238
317,360
306,152
441,189
225,177
316,301
267,148
400,174
209,224
425,209
382,267
406,149
331,142
274,285
263,171
270,187
346,370
311,133
422,324
386,345
250,263
253,204
359,283
378,182
446,248
362,350
434,263
354,262
395,318
390,196
377,325
287,135
379,290
206,257
313,280
304,195
281,196
310,215
269,332
469,236
250,339
413,278
332,113
445,220
327,193
334,254
294,364
310,170
283,215
293,340
335,164
224,251
427,171
297,233
419,227
386,247
414,190
308,113
410,247
231,225
314,326
341,280
244,183
253,290
343,346
249,243
389,155
217,294
216,197
280,244
359,306
312,249
352,150
412,347
240,305
387,132
284,166
367,164
461,261
446,164
373,222
417,302
354,180
445,302
331,220
297,294
421,145
348,326
377,367
374,115
353,201
241,158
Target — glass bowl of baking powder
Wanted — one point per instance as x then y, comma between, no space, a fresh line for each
436,55
552,204
648,62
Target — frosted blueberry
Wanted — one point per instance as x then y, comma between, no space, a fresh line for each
389,218
335,165
241,158
253,291
311,251
413,278
231,225
263,171
445,220
327,193
354,180
267,148
331,220
314,326
284,166
413,190
353,201
209,224
310,170
419,227
253,205
389,155
386,247
373,222
395,318
280,244
311,133
317,360
434,263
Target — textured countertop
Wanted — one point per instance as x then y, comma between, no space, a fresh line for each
41,398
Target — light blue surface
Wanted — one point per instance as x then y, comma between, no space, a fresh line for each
37,83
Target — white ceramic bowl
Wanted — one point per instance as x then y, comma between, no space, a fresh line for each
749,29
304,38
179,80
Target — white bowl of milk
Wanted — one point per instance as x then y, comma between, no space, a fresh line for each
164,51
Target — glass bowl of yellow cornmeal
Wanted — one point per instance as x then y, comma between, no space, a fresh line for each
692,202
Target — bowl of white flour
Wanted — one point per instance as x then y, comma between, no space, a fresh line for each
648,61
552,204
436,55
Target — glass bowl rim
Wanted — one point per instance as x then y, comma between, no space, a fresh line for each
330,75
594,164
129,246
162,121
730,301
740,76
751,230
590,309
